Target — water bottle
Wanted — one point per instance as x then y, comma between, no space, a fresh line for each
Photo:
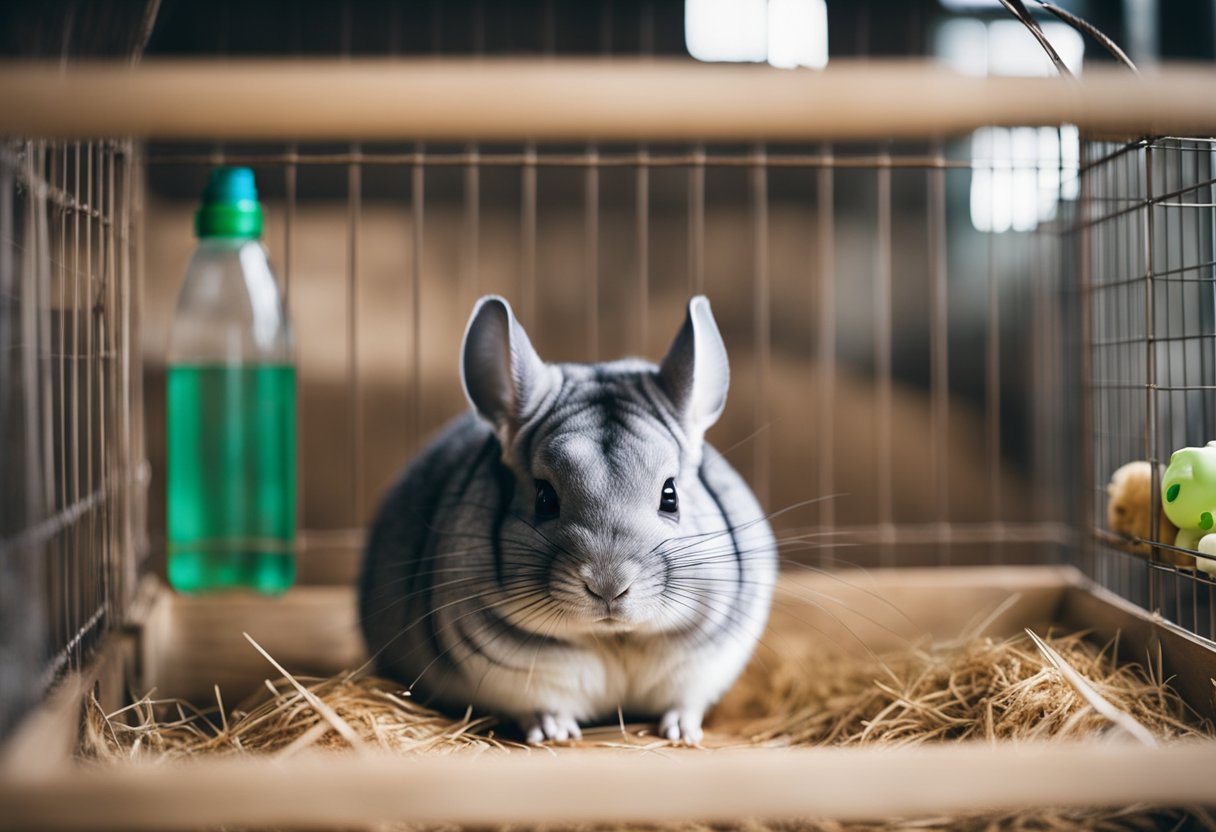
230,406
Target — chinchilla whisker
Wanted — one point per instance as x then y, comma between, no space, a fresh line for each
693,541
490,540
552,621
725,549
827,574
489,580
483,569
748,438
802,593
536,530
728,555
540,603
553,617
794,537
786,509
763,640
433,611
836,577
844,626
682,600
537,601
483,573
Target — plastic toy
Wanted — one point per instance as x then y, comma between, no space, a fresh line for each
1188,496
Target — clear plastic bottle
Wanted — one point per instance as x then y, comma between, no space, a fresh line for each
230,406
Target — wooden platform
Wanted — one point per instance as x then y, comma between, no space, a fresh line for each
186,646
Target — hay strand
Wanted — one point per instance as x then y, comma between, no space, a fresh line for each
326,712
1096,701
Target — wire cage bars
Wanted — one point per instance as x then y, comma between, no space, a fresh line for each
893,367
1145,241
72,521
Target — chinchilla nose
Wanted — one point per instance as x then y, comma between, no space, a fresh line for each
608,582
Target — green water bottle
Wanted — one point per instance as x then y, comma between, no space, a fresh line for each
231,406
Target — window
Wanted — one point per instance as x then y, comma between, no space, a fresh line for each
784,33
1018,172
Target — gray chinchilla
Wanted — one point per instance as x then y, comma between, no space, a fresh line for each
573,547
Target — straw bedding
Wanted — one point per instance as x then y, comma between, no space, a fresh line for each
981,688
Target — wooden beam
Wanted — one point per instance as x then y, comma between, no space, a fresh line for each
321,790
577,99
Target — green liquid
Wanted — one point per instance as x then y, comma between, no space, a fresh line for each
231,436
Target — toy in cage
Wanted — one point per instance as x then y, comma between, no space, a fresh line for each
1188,494
1129,512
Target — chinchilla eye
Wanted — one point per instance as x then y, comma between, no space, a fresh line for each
669,501
547,504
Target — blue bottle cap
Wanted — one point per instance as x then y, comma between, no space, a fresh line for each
230,206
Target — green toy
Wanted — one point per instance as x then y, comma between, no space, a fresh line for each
1188,496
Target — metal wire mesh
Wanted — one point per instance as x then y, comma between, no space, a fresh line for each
894,368
72,520
1147,241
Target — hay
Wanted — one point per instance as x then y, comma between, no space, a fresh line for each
985,689
282,721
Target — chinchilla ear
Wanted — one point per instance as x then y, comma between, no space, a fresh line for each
695,373
504,379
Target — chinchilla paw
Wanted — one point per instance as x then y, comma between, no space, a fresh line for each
544,727
681,725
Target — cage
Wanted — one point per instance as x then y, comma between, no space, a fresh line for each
955,306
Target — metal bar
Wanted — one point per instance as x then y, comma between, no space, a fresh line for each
1164,275
642,236
471,252
696,222
939,372
79,541
29,340
75,398
69,654
110,430
57,572
291,303
417,224
761,476
1163,199
826,347
649,158
1150,361
354,207
290,184
591,256
992,383
882,361
126,427
62,356
45,398
141,472
527,245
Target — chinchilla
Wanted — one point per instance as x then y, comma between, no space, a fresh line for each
572,549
